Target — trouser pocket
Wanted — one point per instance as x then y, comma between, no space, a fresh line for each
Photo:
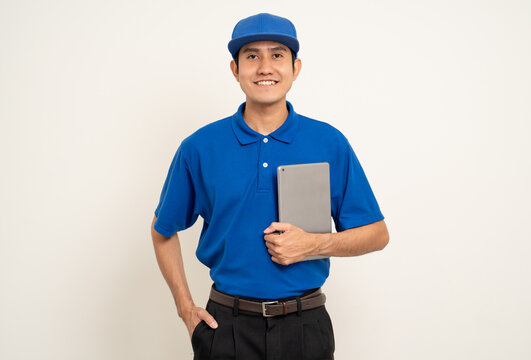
318,337
202,339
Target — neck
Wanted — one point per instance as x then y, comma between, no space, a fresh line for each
265,118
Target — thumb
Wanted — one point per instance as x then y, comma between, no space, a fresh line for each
277,226
209,319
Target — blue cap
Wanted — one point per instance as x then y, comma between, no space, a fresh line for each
263,26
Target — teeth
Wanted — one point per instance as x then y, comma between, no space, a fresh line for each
267,82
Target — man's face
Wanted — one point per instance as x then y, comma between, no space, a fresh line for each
265,60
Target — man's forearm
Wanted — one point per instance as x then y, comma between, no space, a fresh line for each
170,260
354,241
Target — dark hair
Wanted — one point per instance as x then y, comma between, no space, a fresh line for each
237,55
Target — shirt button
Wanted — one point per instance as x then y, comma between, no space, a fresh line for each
265,164
266,140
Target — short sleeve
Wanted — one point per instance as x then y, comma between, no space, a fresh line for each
178,206
358,205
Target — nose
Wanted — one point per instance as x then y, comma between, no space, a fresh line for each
265,66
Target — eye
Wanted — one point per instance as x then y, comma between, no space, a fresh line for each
250,56
280,55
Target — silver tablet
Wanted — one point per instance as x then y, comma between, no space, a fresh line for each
304,197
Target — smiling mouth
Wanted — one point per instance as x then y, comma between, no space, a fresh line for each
266,83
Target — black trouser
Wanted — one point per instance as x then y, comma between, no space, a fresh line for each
242,335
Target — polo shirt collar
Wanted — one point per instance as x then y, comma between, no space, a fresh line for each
285,133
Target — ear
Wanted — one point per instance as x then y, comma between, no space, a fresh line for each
297,65
234,70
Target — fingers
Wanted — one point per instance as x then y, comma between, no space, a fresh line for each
271,244
202,314
272,252
282,260
275,251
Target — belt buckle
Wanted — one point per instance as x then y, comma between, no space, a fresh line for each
264,308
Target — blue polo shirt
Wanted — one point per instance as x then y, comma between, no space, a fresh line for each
226,173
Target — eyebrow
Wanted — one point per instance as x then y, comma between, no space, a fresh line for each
276,48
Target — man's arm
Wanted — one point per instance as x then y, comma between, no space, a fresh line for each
294,244
353,242
170,260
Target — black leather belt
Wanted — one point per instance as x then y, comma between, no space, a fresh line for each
270,308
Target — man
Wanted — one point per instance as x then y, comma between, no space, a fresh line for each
265,303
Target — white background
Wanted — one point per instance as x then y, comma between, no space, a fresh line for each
434,96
